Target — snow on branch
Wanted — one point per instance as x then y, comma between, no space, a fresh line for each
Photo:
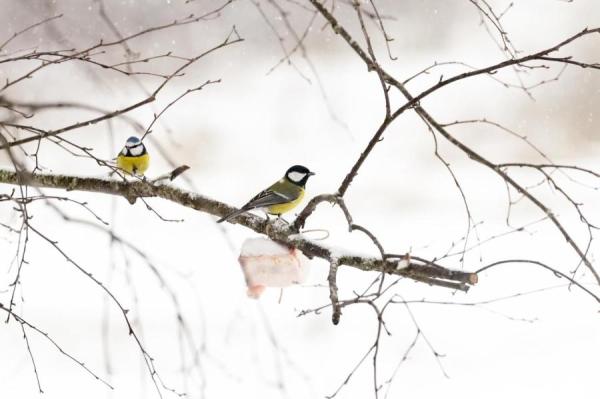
412,267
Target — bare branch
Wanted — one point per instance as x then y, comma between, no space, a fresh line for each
333,292
231,39
414,102
22,322
424,271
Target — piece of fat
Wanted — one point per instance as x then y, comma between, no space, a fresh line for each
266,263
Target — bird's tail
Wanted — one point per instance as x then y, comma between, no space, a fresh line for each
230,215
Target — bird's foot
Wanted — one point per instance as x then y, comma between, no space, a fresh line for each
281,222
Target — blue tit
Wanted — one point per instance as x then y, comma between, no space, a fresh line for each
133,158
282,196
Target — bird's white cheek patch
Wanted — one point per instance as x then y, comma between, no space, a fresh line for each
296,176
136,151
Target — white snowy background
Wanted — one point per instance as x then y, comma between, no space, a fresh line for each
240,135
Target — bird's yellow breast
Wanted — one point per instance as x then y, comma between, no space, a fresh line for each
288,206
134,165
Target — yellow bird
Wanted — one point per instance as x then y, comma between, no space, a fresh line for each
133,158
282,196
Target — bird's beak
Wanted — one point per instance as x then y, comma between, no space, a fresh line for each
311,173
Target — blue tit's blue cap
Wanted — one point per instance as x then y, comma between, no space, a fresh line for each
132,141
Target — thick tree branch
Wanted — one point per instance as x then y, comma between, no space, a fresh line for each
416,269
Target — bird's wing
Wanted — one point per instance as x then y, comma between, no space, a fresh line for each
267,198
279,193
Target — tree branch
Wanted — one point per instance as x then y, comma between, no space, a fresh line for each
417,269
333,292
413,102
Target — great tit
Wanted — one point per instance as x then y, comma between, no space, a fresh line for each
280,197
133,158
